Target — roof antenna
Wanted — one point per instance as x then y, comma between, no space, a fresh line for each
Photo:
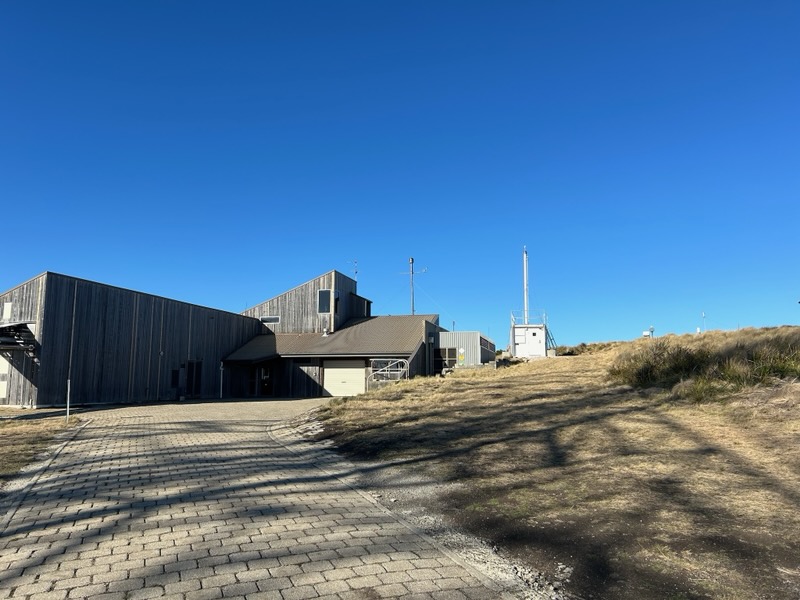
355,269
411,273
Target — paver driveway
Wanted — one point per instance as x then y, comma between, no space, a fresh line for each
211,500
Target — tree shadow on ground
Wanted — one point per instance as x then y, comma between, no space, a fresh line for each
192,501
626,487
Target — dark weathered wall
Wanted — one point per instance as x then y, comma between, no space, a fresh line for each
299,378
297,308
118,346
421,362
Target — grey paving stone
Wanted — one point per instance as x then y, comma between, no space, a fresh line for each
87,591
239,589
374,569
304,592
449,595
51,595
393,590
273,584
395,577
211,500
331,587
365,581
31,589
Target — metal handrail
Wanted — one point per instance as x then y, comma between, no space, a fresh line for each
534,318
388,369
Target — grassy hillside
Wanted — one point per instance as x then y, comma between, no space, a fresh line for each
631,474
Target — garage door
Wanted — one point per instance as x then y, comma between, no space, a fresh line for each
344,377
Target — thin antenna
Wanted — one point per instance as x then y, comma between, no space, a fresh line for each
355,269
411,274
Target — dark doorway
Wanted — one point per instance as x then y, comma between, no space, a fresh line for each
261,381
265,381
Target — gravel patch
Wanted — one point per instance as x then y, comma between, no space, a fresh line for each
414,498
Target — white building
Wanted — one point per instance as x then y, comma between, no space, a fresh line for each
528,340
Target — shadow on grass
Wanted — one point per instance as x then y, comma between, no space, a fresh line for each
561,476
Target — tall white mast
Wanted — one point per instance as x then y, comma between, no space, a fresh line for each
525,282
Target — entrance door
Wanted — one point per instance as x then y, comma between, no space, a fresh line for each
265,381
261,381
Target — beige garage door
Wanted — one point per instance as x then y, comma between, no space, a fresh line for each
344,377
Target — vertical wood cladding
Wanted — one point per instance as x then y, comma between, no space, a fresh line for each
297,308
300,378
118,346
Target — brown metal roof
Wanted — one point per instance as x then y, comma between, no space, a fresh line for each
395,336
259,348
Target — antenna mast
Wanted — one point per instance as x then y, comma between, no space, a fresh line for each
411,272
525,283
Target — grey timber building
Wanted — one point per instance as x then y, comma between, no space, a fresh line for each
62,336
113,346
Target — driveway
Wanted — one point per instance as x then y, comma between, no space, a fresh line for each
212,500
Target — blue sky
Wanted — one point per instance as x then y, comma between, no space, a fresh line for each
646,153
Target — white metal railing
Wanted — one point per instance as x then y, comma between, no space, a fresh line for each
387,369
534,317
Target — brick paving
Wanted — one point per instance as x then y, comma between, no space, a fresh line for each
212,500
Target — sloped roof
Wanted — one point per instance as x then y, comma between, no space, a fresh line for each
260,347
372,336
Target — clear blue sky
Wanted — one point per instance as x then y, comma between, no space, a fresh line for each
646,153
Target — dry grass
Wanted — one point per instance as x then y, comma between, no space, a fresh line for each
24,435
644,495
700,367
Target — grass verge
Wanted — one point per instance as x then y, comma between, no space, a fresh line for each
24,435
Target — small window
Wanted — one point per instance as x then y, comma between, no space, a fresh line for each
324,301
271,319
